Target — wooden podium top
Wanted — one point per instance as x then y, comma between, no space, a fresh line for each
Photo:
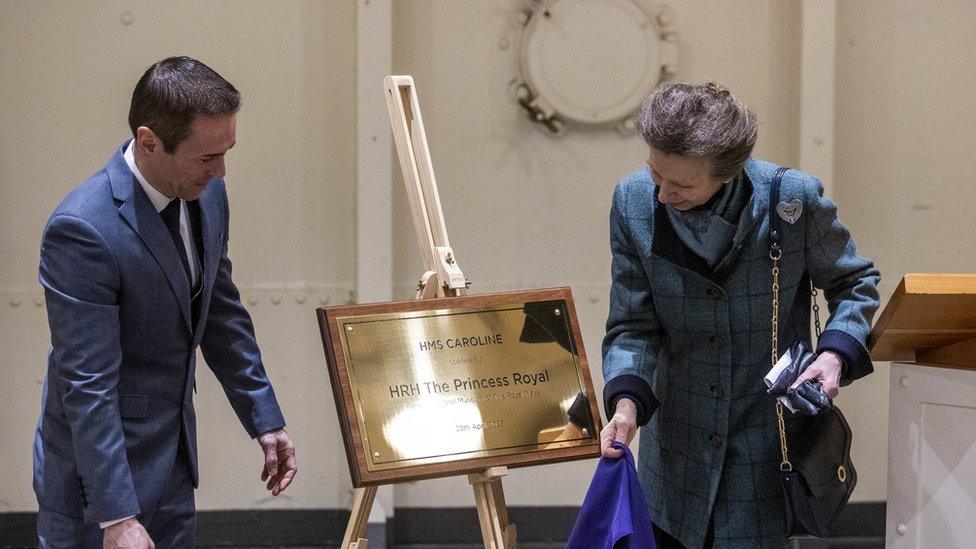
929,318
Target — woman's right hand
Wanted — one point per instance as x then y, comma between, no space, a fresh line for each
621,427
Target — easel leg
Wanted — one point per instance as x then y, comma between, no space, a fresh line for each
492,512
361,505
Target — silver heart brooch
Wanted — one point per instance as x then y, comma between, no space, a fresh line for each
791,211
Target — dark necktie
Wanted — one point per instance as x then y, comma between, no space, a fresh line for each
171,216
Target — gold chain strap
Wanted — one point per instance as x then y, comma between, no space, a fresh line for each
816,308
784,465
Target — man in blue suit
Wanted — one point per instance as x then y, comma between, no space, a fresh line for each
136,276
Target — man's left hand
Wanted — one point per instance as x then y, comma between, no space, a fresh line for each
826,369
280,465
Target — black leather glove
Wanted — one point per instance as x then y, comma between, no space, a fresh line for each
809,397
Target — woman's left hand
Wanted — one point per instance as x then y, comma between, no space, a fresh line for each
826,369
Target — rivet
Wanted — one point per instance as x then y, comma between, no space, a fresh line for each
557,312
901,529
253,301
127,18
376,455
903,382
350,328
38,302
275,299
15,302
503,43
300,298
586,432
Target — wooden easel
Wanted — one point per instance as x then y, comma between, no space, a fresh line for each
442,278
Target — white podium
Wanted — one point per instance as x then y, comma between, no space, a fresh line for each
928,330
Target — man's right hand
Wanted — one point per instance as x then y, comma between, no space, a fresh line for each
621,427
128,534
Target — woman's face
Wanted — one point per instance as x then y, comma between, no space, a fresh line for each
684,181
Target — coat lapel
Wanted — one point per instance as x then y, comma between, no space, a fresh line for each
137,210
753,214
758,208
668,246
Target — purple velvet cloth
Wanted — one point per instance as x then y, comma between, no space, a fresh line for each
614,515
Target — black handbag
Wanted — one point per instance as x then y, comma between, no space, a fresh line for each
817,474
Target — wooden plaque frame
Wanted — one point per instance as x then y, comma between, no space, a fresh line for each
349,420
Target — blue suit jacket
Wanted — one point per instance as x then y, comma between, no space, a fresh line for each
117,400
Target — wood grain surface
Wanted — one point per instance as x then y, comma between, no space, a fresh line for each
929,318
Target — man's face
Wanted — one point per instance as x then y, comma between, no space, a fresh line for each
684,181
197,159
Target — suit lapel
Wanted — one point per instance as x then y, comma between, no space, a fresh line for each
137,210
209,216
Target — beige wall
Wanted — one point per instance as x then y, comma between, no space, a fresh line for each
905,171
66,74
523,209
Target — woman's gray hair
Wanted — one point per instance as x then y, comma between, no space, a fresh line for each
700,120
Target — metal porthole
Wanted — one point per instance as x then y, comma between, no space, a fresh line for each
592,62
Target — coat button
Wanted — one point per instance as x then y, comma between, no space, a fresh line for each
716,440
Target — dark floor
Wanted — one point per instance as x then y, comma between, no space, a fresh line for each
851,543
839,543
861,526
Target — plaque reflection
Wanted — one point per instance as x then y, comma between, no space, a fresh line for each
545,323
434,386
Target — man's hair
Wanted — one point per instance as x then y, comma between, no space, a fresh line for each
700,120
175,90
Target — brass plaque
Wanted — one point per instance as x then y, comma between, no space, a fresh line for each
431,386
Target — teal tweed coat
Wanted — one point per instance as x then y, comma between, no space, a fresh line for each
691,344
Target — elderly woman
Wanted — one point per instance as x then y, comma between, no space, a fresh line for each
688,335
